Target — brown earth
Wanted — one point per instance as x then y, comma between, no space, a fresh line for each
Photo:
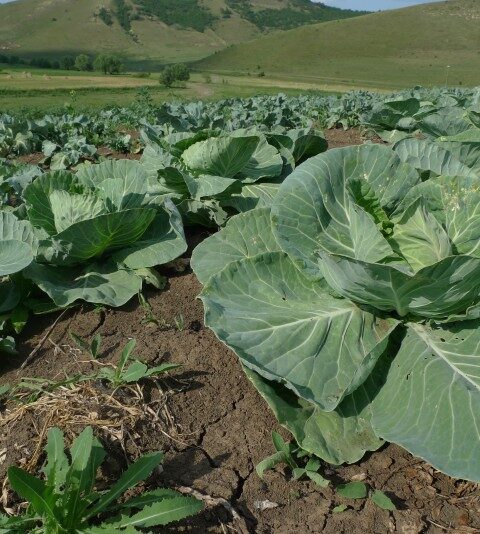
214,429
220,429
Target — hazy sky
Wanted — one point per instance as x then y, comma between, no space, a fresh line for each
373,5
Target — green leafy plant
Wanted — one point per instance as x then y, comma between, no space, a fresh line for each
353,304
209,174
92,348
179,322
65,500
130,370
60,157
293,456
101,232
360,490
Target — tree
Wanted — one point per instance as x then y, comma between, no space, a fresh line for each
172,73
167,77
83,62
108,64
181,72
68,63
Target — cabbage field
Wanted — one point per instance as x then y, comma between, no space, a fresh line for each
345,279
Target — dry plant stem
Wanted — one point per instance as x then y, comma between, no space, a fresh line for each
218,501
32,355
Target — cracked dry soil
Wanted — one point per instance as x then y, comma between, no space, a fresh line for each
218,428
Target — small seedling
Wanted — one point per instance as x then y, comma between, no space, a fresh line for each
92,348
150,317
340,508
382,501
360,490
64,499
353,490
130,370
180,322
291,454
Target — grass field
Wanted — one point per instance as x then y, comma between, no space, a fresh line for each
430,44
40,92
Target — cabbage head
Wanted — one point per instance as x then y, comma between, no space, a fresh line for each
353,304
100,232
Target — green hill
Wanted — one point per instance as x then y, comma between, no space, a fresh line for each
428,44
148,32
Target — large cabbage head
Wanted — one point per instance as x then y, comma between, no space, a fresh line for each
354,303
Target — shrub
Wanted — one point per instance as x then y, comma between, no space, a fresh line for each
173,73
83,63
108,64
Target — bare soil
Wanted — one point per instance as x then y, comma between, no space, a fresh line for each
220,429
214,429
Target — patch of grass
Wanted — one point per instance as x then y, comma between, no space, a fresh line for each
53,97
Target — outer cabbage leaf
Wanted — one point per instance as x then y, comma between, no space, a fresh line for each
265,162
70,208
130,172
38,201
206,185
99,284
18,244
162,242
90,238
437,291
244,236
307,143
430,403
10,295
340,436
251,196
429,156
220,156
288,328
14,256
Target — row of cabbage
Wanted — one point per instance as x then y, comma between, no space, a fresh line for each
98,234
66,138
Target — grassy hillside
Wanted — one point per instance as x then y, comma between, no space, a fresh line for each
424,44
149,32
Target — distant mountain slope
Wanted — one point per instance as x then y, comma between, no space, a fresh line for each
425,44
148,30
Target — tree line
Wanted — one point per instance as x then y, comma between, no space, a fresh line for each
106,63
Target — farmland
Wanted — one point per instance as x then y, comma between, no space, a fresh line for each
115,220
239,267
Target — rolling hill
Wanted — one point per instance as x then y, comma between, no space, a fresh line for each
148,32
428,44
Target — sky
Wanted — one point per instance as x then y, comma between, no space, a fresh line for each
374,5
